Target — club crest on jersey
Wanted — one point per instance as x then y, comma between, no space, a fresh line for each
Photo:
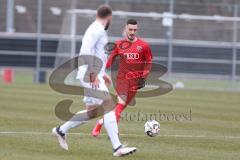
139,48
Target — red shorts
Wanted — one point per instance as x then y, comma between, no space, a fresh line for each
127,88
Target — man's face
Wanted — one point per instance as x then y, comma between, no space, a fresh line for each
131,31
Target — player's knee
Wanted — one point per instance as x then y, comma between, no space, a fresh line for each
132,102
122,100
92,112
108,102
107,105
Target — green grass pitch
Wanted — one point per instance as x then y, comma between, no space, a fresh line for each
210,131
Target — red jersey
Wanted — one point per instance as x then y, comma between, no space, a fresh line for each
135,58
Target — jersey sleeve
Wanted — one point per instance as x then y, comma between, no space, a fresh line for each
89,42
112,57
148,61
88,48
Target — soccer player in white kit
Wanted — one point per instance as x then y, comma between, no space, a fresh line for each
93,42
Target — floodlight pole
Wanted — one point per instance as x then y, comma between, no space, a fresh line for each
10,16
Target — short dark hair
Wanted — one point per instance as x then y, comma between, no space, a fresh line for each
103,11
132,21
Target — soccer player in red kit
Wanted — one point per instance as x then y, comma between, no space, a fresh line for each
134,67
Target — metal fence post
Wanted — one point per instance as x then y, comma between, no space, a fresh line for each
73,38
10,16
73,29
170,39
234,49
39,43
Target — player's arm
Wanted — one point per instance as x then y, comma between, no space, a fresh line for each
111,58
89,49
110,61
147,67
148,61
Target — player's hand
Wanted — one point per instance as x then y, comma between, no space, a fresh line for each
140,83
107,79
95,83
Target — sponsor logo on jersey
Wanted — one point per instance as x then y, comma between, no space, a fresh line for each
131,55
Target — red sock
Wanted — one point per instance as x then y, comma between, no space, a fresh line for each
118,110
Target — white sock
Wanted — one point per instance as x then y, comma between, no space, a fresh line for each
72,123
110,124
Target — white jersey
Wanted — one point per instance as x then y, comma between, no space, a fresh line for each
93,42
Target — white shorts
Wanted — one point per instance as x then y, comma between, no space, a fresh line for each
92,96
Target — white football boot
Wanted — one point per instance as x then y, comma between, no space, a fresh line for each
123,151
61,137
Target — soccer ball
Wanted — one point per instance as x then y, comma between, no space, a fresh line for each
152,128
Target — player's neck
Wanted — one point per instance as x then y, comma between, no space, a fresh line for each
132,41
100,21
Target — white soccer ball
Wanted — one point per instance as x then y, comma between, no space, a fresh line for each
152,128
179,85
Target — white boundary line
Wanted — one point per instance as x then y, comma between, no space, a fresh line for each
133,135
